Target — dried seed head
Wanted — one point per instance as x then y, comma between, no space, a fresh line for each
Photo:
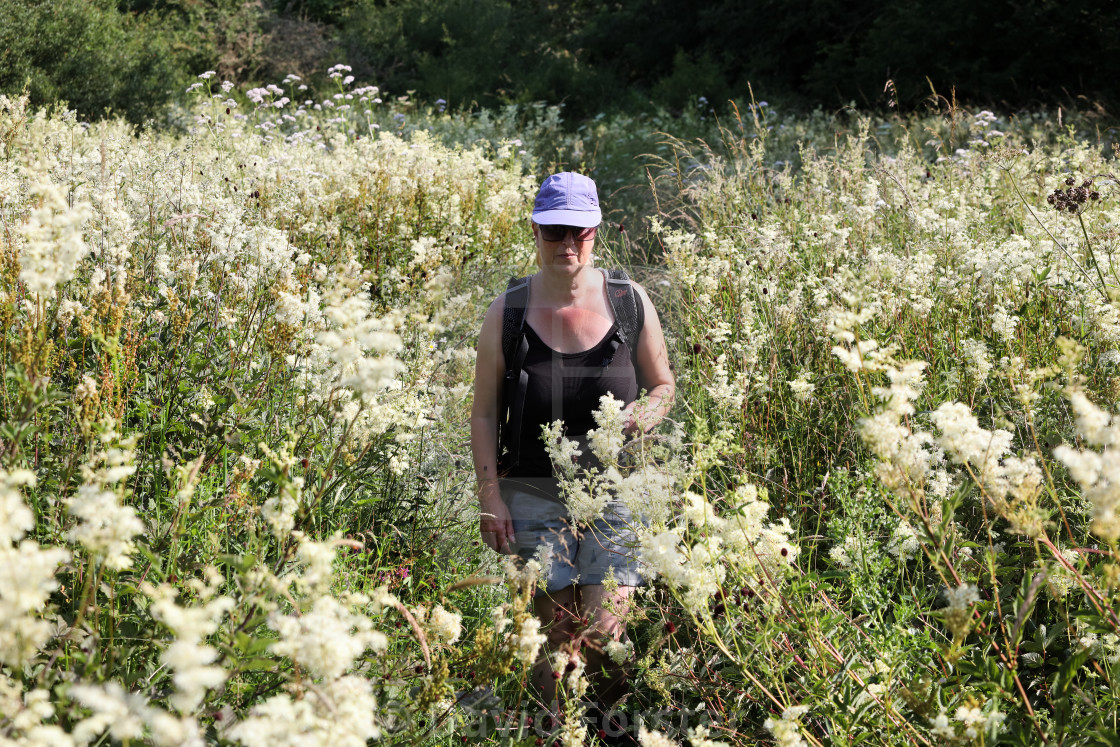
1070,181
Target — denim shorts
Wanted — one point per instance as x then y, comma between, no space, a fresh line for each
579,555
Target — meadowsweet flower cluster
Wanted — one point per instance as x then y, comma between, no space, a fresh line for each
28,578
968,724
1097,471
787,729
1012,484
686,543
227,350
191,660
616,474
875,326
105,527
895,337
53,242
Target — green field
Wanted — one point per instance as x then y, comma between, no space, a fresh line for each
236,493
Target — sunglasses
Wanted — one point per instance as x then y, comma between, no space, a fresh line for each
557,233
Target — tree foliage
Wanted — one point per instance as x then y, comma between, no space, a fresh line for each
87,53
590,56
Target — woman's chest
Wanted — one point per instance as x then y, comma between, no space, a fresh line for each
571,329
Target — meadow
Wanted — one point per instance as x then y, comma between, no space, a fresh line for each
236,496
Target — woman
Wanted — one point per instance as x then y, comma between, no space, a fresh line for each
575,353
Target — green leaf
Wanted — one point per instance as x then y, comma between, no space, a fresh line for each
1067,672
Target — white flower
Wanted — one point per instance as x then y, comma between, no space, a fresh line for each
68,310
802,387
327,639
963,596
974,720
561,450
113,709
958,615
447,626
965,441
1097,472
787,730
339,713
976,352
941,727
106,528
26,582
16,519
904,542
317,561
649,738
190,659
279,510
698,737
527,642
53,244
607,439
661,556
1093,423
27,575
86,389
854,552
1003,324
620,651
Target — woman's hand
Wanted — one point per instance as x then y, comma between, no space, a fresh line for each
642,415
495,524
633,423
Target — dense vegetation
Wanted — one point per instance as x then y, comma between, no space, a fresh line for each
236,502
132,56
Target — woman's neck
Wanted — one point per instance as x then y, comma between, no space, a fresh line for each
567,290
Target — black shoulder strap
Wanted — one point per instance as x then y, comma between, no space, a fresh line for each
514,349
628,309
517,301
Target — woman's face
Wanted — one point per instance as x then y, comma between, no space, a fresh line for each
567,256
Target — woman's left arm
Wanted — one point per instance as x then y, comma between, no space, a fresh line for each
654,374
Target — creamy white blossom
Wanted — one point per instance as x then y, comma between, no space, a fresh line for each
339,713
648,738
527,641
787,729
53,244
326,639
106,527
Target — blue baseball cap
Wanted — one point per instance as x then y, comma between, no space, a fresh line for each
567,199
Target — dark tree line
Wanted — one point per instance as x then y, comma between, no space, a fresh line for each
133,55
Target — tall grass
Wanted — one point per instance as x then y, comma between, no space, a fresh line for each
904,349
237,503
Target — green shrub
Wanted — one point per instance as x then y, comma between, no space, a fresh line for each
89,55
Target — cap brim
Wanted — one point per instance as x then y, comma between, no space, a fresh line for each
577,218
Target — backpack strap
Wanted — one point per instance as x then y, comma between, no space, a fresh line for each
628,309
514,349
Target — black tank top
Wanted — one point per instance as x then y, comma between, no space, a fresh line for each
567,386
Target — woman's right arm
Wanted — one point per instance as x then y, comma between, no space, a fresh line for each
495,524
